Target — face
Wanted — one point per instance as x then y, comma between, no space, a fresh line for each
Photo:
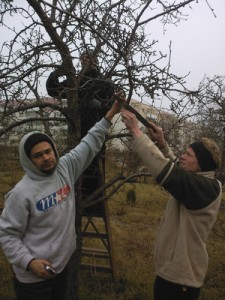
43,157
86,60
189,162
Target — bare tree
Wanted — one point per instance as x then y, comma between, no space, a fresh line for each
210,108
51,35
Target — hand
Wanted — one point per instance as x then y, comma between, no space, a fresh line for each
37,266
115,109
156,135
131,123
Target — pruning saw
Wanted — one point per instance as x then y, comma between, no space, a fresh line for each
134,111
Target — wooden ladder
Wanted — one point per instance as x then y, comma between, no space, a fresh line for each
97,251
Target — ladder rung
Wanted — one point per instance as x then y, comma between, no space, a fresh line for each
94,234
97,268
97,250
98,253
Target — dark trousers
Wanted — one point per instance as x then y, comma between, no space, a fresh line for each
51,289
165,290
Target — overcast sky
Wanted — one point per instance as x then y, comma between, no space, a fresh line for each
198,44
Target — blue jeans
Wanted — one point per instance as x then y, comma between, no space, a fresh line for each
166,290
51,289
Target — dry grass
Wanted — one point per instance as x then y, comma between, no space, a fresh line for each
10,174
134,228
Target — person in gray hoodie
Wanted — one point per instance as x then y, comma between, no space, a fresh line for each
37,225
180,257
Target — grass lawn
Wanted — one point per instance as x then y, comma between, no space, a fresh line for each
134,227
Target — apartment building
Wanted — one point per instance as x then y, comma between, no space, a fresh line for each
178,133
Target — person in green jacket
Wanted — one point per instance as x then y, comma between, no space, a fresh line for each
180,257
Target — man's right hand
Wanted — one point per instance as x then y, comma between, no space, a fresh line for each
37,266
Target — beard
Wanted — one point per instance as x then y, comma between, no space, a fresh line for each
44,168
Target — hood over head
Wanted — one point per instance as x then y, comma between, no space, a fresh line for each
27,142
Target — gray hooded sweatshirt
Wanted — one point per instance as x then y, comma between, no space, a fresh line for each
38,220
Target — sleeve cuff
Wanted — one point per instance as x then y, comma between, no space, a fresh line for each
24,262
108,121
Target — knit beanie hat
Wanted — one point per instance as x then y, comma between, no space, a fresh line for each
204,156
36,138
